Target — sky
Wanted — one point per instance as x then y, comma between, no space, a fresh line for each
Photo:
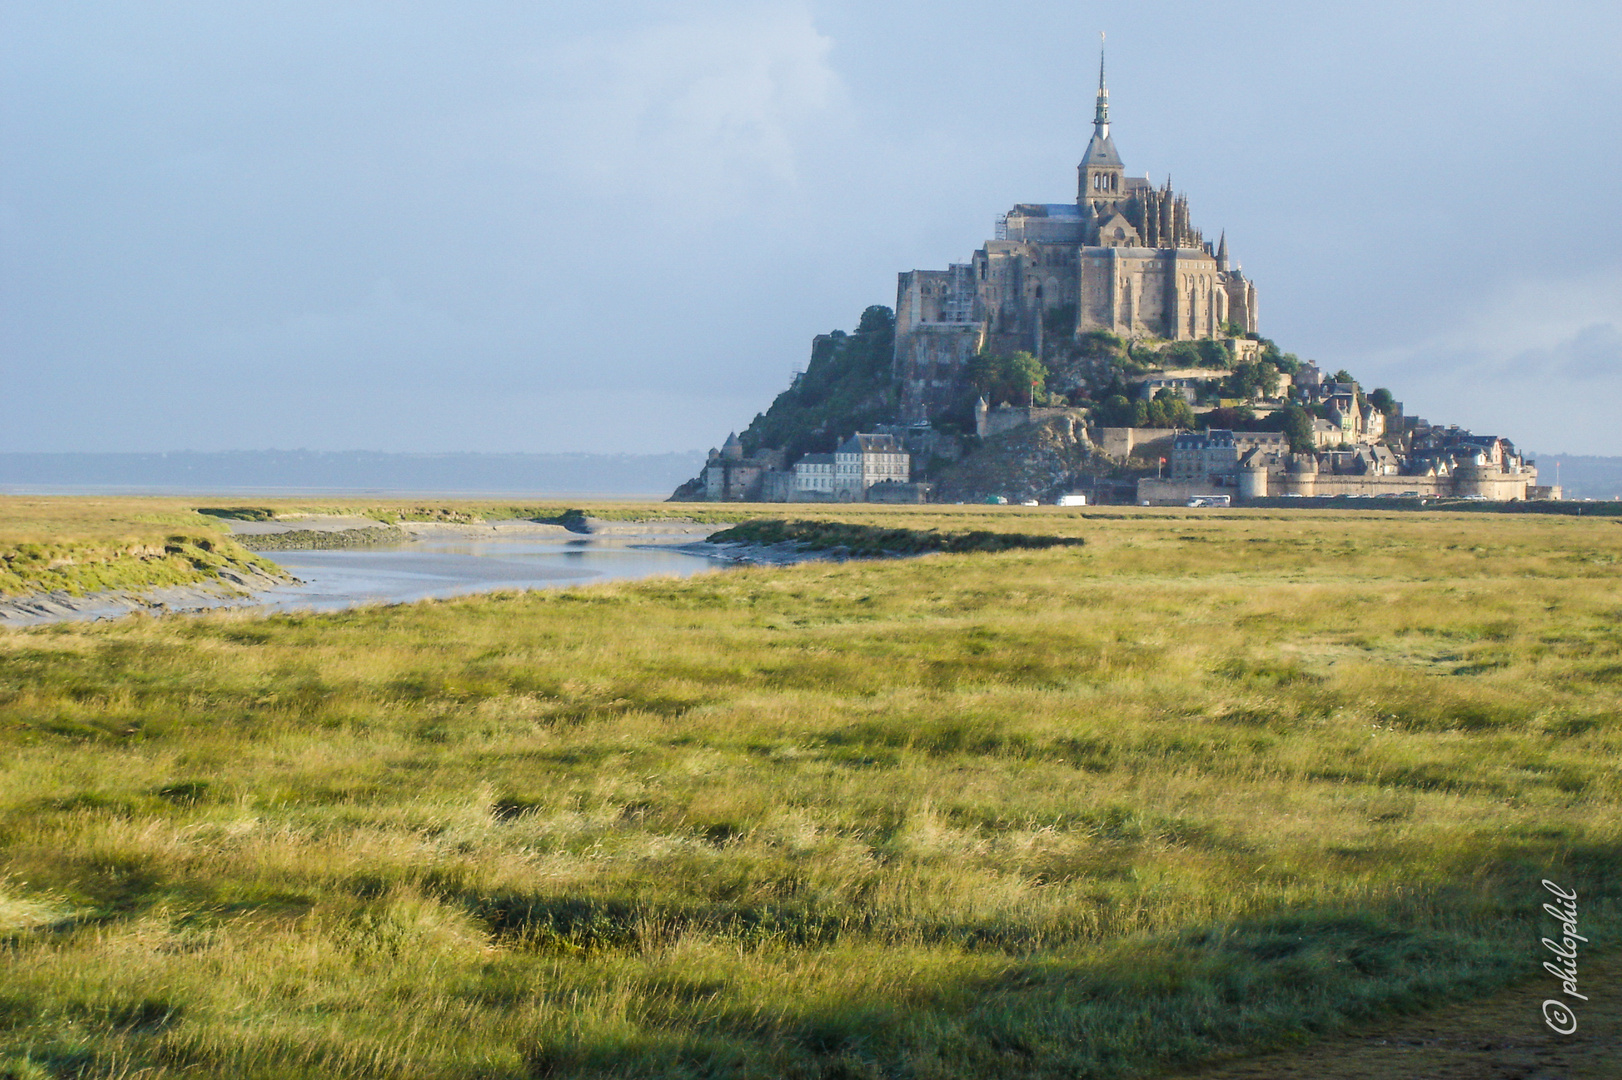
496,225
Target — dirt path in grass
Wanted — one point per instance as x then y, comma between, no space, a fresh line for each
1499,1038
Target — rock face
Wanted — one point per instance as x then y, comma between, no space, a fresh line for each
1038,461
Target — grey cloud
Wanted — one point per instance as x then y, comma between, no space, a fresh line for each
1592,354
356,223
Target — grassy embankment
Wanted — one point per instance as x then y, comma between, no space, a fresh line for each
1211,782
83,545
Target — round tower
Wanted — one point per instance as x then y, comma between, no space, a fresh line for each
1253,482
1301,474
1470,479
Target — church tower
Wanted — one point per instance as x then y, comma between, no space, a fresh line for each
1102,178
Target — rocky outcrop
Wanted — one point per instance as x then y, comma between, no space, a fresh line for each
1038,461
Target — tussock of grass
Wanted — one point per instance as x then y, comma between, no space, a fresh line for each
870,541
1086,811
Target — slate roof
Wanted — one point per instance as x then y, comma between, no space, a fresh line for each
1101,152
870,444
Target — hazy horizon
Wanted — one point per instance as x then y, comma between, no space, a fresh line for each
418,227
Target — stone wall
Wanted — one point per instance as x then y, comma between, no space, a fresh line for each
1152,492
1121,443
777,486
930,363
1008,417
1493,485
892,491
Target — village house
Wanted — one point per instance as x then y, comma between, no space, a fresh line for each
814,478
864,460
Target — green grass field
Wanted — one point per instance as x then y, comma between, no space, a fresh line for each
1212,783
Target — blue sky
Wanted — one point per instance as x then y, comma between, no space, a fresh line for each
507,226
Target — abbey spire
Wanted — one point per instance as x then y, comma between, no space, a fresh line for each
1101,110
1100,177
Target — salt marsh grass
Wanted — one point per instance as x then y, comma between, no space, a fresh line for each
1210,782
79,545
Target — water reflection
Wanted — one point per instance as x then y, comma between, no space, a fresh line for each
439,568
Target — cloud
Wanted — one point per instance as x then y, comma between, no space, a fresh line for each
1592,353
1539,361
1562,328
692,113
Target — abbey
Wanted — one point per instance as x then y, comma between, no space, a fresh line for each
1124,258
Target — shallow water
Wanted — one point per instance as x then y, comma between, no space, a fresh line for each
455,567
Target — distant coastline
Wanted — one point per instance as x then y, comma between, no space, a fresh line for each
1583,476
306,472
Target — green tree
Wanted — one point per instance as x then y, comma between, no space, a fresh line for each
1381,399
1170,409
876,319
984,373
1018,378
1296,423
1240,419
1182,354
1115,411
1026,377
1214,353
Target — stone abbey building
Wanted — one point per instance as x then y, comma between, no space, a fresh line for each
1124,257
